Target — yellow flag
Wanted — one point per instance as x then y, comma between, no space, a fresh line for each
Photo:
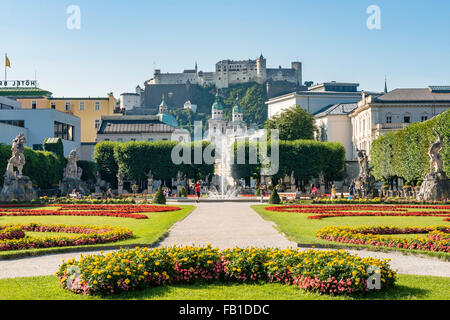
7,62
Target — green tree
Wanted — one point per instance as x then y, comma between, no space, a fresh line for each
293,124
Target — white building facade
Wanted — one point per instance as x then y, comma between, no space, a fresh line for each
393,111
316,98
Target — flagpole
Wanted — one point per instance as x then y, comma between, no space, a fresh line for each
6,55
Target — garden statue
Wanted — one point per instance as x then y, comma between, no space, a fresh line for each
435,185
72,177
18,159
120,176
364,183
149,182
292,182
17,186
322,182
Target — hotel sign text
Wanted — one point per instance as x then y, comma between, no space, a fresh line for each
18,83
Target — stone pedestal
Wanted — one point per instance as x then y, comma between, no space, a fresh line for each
17,187
435,186
67,185
120,190
322,189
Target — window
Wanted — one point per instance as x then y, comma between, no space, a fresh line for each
97,106
406,119
81,105
67,106
16,123
424,118
388,119
33,104
63,131
53,105
97,124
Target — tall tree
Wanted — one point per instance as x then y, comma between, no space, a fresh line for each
293,124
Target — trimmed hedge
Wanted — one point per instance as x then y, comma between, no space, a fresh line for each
404,153
306,158
135,159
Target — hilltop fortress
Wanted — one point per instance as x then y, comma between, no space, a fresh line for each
230,72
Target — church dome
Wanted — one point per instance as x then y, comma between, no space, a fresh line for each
217,105
237,108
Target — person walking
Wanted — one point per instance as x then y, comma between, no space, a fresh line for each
197,188
314,191
262,193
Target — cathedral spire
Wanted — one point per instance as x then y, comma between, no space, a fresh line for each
385,85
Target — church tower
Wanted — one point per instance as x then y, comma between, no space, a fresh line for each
237,114
216,125
163,107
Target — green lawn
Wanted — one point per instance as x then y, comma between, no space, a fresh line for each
298,228
46,288
145,231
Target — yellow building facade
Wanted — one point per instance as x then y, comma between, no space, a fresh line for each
90,110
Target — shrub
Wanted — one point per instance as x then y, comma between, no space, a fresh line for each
183,192
274,197
159,197
330,272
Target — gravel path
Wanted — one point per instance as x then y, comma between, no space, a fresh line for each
225,225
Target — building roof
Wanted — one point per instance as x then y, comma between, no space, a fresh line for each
336,109
134,124
415,95
24,92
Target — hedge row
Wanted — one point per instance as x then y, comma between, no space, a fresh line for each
305,158
135,159
404,153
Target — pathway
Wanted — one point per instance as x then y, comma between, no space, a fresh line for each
225,225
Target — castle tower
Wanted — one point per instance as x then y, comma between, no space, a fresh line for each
163,107
261,73
297,66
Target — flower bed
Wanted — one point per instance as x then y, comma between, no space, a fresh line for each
83,235
436,240
119,211
331,272
327,211
376,200
8,233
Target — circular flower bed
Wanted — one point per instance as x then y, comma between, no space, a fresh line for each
83,235
118,211
332,272
327,211
8,233
437,237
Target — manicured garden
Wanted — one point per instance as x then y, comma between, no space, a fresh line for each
23,229
378,227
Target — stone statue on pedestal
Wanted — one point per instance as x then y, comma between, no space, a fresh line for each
435,185
149,182
16,185
72,177
364,183
120,177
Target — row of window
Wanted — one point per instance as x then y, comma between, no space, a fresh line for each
133,139
16,123
406,119
68,105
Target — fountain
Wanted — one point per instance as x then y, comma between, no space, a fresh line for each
228,189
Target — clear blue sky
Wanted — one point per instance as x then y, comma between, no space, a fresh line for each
120,42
